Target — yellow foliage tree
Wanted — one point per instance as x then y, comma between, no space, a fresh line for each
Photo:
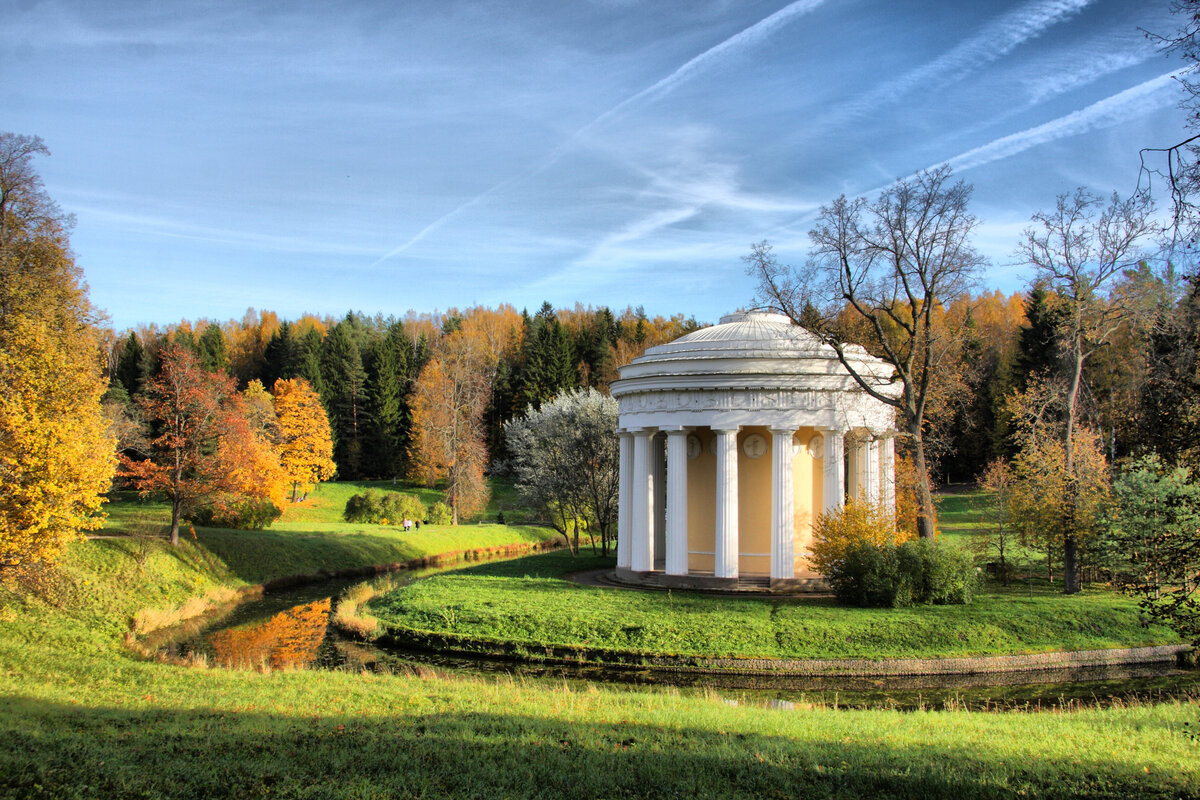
857,522
305,440
56,455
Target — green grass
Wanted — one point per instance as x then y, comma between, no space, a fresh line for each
527,601
82,717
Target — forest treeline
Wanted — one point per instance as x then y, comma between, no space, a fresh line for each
368,369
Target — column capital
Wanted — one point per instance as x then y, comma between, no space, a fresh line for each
727,429
782,431
676,429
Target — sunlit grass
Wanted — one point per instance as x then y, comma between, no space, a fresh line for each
81,716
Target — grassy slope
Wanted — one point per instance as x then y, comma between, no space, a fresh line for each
81,717
526,600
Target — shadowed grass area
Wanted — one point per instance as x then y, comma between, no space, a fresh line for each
527,601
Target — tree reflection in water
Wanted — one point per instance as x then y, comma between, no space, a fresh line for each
288,640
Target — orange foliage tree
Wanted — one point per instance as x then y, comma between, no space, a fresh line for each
305,440
452,393
206,456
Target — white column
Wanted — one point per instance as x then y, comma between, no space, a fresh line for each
834,490
887,472
783,517
641,540
658,497
726,559
872,484
677,521
625,500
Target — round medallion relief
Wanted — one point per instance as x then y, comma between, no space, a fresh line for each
754,446
816,446
693,446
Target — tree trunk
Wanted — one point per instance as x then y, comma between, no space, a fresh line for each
925,515
1071,583
175,522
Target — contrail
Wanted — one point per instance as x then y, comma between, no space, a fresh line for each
750,36
1144,97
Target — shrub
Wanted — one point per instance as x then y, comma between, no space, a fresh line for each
911,573
440,514
391,507
838,531
247,515
363,508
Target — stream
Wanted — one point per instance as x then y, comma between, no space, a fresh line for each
292,629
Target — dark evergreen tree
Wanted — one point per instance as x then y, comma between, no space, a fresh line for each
211,349
1169,405
548,360
344,395
389,385
133,365
308,360
1037,342
281,356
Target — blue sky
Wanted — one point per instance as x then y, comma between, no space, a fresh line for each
327,156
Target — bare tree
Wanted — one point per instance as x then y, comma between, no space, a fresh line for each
1078,250
1178,165
878,275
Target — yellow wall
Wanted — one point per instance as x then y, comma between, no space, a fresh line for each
809,475
754,506
754,502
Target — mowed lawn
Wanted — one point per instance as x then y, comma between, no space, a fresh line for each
528,601
83,717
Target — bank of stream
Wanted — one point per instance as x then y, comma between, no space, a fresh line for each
292,629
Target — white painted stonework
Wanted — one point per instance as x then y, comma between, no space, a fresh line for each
685,410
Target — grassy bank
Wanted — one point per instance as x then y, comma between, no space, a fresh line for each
527,601
80,716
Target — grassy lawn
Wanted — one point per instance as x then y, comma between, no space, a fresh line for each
82,717
527,600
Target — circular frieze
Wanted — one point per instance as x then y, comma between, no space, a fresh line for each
816,446
754,446
693,446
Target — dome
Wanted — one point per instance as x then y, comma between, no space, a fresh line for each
749,343
753,363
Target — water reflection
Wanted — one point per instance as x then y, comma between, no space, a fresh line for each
289,640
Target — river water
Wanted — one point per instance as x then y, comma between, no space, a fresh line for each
292,629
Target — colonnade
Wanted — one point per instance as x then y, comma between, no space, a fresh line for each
653,504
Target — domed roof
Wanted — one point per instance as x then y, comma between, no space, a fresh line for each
747,342
754,368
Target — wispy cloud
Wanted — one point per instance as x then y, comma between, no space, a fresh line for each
169,228
992,42
1151,95
739,42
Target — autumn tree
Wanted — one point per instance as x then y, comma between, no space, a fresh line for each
448,431
1078,250
879,272
56,455
305,442
202,457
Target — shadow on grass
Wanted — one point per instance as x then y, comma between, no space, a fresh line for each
54,750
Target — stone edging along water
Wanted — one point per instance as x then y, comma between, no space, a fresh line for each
407,638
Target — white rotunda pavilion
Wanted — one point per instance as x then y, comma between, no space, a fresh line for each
733,439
